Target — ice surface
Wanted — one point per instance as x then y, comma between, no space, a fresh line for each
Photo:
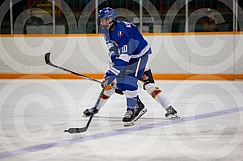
34,114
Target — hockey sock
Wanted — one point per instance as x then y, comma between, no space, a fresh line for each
156,93
131,103
131,97
106,95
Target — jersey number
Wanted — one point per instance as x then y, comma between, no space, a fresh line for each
124,49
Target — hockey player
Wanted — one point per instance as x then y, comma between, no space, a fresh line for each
129,54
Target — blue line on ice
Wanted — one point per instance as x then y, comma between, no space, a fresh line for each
40,147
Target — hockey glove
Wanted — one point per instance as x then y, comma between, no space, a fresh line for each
104,83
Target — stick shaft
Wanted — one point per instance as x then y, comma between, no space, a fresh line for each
48,61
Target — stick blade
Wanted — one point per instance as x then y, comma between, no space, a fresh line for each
76,130
47,58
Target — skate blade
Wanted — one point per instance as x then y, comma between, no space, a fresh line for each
172,117
140,114
127,124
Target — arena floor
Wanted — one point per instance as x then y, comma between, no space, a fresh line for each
35,113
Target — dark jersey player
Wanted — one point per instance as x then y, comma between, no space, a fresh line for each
129,53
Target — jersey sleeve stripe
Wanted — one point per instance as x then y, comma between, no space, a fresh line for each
114,70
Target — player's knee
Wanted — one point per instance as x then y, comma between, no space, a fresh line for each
147,78
108,93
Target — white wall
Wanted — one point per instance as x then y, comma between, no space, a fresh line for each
239,54
208,54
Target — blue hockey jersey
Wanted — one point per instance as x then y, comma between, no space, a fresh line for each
125,42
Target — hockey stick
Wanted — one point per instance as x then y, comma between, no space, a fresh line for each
83,129
48,61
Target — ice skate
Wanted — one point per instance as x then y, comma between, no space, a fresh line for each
171,113
140,110
128,119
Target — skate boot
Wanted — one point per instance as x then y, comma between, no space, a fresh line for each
128,119
171,113
140,110
88,112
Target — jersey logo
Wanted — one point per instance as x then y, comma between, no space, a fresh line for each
120,34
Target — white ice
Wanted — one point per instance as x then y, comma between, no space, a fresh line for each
34,114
